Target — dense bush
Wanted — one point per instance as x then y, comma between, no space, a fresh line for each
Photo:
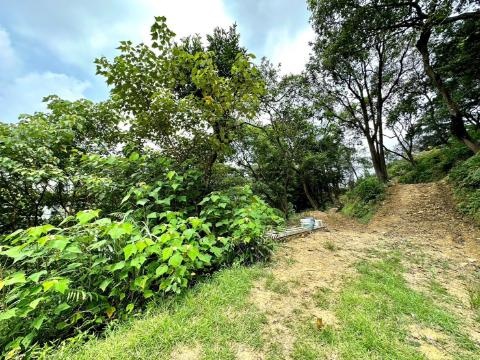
360,201
466,181
88,271
431,165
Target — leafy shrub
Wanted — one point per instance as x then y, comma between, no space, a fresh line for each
466,181
360,201
431,165
90,271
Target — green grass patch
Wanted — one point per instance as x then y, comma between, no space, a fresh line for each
276,286
466,183
362,201
431,165
375,310
210,317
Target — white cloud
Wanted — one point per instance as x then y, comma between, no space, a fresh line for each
9,61
78,32
292,53
25,93
187,17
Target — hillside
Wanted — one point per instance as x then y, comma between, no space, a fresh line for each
404,286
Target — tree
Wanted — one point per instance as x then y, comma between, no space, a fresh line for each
357,77
296,158
427,21
186,98
43,161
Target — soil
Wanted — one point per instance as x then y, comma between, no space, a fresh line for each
420,220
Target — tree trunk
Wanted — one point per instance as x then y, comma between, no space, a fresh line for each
457,123
378,161
309,196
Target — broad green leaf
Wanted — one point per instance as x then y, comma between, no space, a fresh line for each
62,285
16,278
193,253
129,307
129,250
175,260
171,174
58,244
61,307
86,216
105,283
35,303
119,229
138,261
118,266
141,281
8,314
166,253
142,202
162,269
204,257
110,311
37,323
134,156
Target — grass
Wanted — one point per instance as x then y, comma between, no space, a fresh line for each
330,245
276,286
375,310
208,318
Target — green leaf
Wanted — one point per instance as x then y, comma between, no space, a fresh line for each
138,261
15,252
16,278
166,253
175,260
104,284
58,244
117,266
62,285
129,250
61,307
193,252
134,156
205,258
37,323
8,314
141,281
36,276
162,269
142,202
86,216
129,308
171,174
33,304
119,229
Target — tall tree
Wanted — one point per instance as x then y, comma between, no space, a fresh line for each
427,21
357,76
186,97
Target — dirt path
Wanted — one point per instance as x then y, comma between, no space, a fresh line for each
419,220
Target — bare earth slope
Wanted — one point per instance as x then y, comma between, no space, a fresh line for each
418,220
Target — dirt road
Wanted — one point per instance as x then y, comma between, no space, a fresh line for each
419,221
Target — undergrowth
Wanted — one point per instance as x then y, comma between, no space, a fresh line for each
431,165
363,199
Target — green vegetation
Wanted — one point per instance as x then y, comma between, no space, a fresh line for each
362,200
211,318
107,208
466,182
61,281
380,306
431,165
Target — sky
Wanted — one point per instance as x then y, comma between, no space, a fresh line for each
48,46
